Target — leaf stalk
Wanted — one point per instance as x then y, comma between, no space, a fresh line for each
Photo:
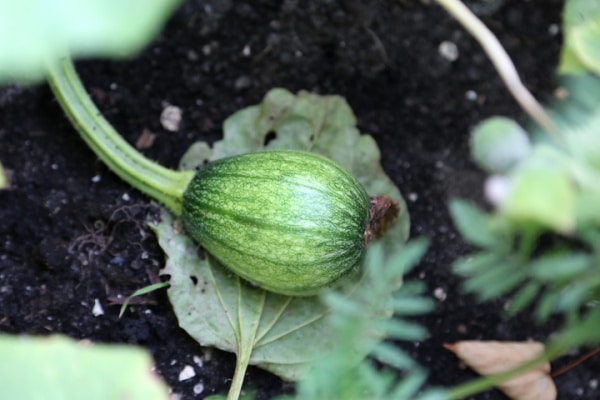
503,64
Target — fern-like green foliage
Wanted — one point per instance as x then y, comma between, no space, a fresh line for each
337,376
541,245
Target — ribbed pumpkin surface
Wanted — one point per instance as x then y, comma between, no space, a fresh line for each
290,222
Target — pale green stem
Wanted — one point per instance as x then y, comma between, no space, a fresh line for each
503,64
245,329
3,179
241,365
162,184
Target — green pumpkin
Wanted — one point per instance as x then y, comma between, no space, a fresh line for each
290,222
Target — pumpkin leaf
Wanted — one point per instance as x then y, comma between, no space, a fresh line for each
65,369
281,334
34,32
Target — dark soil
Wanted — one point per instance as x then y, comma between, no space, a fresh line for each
71,233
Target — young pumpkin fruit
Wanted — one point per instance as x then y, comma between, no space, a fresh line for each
290,222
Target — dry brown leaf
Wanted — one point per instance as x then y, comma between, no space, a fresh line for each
488,358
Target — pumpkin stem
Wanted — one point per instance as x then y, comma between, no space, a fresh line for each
160,183
383,212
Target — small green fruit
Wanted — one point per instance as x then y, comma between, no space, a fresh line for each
290,222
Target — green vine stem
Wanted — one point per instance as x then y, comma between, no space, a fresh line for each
160,183
503,64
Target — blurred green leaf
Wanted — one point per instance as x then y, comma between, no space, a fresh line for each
495,280
498,144
34,32
475,263
581,32
392,355
540,193
57,368
473,225
546,306
408,305
523,297
551,267
331,378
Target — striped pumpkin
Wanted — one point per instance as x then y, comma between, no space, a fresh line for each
290,222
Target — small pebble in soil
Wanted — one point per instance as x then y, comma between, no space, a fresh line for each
246,51
198,388
594,384
96,178
471,95
198,361
170,118
187,373
413,197
448,50
125,197
97,310
243,82
439,294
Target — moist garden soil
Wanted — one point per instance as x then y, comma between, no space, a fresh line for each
72,235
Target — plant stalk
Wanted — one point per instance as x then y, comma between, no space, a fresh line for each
162,184
503,64
241,365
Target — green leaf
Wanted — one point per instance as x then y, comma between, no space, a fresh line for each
473,225
412,305
475,263
551,267
33,32
286,335
141,292
498,144
401,262
581,27
283,334
499,281
57,367
322,124
546,306
331,378
495,280
541,193
523,298
391,355
400,330
408,387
